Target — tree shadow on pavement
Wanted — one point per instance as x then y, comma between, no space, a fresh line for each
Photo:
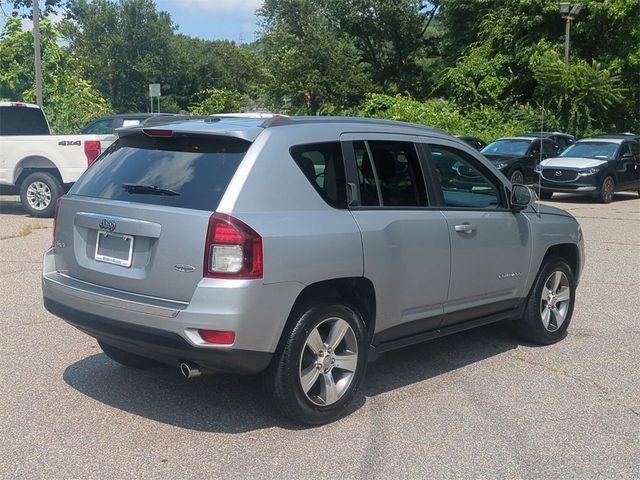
235,404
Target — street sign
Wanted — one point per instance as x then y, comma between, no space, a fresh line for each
154,89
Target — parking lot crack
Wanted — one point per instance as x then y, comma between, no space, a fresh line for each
599,389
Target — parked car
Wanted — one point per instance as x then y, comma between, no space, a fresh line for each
516,157
598,166
39,166
562,140
109,124
474,142
301,248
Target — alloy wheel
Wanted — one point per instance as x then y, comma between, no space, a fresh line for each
554,301
608,189
328,361
517,178
38,195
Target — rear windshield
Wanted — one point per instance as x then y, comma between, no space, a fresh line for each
22,121
186,171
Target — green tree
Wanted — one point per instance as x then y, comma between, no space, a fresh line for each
70,101
122,47
304,53
218,100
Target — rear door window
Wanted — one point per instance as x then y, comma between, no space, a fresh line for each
187,171
22,121
394,178
323,165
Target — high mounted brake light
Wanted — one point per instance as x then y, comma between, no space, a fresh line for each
232,249
157,133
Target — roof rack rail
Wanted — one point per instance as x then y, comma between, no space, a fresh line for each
282,120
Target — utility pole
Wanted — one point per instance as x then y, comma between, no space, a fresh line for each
36,44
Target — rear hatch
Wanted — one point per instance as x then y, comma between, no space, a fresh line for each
137,219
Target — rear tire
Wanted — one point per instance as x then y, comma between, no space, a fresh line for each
127,359
550,304
39,192
546,195
316,373
607,190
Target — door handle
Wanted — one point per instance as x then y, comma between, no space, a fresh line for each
465,228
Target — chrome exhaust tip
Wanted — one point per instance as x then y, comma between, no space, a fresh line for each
190,370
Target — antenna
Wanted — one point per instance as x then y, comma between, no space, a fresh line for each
540,158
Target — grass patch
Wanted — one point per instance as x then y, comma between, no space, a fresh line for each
28,230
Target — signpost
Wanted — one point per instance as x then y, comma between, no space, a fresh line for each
154,91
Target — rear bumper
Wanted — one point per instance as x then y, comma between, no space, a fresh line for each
254,311
166,347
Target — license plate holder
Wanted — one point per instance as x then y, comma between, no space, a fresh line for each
114,248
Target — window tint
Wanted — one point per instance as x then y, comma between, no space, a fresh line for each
188,171
323,166
394,175
635,149
463,184
22,121
100,127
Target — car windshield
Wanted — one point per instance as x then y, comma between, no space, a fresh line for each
507,147
602,150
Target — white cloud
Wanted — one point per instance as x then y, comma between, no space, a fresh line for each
228,8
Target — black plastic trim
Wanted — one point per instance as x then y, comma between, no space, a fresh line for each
160,345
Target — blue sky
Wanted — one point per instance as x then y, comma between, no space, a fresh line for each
209,19
214,19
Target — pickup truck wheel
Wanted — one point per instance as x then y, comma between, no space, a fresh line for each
322,363
39,192
125,358
550,303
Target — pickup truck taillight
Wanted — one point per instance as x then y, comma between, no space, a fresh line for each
232,249
92,150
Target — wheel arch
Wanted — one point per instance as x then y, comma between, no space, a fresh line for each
567,251
32,164
356,291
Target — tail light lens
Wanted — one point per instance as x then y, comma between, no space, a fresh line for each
55,221
232,249
92,150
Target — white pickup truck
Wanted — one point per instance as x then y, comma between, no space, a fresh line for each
39,166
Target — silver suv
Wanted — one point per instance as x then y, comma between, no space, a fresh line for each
301,248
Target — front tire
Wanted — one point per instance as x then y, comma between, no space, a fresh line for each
39,193
517,177
317,372
607,190
550,304
127,359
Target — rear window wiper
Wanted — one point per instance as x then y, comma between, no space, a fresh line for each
148,189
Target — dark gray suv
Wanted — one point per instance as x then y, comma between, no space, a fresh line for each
301,248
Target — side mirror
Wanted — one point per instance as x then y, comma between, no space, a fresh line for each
521,197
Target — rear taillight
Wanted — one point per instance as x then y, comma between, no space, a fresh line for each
232,249
92,150
55,221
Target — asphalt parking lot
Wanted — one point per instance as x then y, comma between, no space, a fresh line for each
479,404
